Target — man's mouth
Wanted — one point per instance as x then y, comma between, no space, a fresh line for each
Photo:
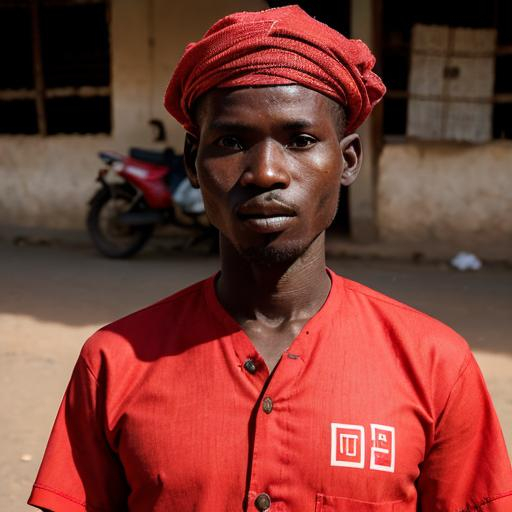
266,217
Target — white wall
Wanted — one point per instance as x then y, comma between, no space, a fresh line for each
456,193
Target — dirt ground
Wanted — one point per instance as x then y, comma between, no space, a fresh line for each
53,298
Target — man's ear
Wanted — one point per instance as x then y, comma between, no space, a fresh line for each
352,158
189,158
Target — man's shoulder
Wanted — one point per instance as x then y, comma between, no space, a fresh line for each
403,322
147,333
377,298
429,352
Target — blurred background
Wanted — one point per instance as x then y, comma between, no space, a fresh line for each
83,76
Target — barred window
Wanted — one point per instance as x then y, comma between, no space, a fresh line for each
56,61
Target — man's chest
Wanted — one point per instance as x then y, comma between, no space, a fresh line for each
311,433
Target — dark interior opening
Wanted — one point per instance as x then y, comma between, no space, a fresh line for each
73,114
75,46
75,52
16,48
334,14
18,116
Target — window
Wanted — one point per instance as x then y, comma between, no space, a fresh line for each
398,19
451,83
56,62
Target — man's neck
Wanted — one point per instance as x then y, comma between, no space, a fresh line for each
274,293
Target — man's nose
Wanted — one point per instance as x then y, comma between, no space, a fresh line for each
265,166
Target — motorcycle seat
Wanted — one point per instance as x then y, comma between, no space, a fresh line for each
153,157
109,157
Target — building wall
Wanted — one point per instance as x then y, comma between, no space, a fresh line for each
45,182
461,194
424,191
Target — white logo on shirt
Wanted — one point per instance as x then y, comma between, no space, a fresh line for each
348,446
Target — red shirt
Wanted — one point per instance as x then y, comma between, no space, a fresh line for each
374,407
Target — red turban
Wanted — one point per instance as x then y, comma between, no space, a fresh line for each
276,47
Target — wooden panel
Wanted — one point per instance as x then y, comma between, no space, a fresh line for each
424,119
470,122
474,41
427,75
430,39
451,83
474,79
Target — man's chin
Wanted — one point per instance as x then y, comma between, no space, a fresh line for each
270,255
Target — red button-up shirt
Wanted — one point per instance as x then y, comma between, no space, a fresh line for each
373,407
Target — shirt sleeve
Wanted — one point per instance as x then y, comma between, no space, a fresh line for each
467,467
79,471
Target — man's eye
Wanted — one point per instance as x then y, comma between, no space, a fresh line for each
228,141
302,141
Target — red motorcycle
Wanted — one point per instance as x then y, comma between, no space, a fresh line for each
154,190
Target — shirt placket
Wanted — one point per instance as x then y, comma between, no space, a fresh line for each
269,442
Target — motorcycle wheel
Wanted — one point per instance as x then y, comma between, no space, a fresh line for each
112,238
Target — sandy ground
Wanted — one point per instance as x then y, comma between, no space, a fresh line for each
53,298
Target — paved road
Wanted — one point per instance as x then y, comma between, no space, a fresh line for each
52,298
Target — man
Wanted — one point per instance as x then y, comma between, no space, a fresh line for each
276,384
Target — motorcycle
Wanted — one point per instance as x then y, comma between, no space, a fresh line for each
154,191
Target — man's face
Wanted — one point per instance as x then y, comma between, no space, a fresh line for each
270,162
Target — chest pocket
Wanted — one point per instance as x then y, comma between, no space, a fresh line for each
337,504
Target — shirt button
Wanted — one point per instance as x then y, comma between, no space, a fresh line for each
267,406
262,501
250,366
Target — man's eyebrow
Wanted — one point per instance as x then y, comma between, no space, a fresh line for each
228,126
234,126
298,124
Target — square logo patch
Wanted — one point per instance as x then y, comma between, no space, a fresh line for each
347,445
382,455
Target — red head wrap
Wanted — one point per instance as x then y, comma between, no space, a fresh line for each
276,47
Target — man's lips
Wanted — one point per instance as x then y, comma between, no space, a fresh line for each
266,216
265,208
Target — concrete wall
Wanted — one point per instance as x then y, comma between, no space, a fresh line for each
454,193
46,182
